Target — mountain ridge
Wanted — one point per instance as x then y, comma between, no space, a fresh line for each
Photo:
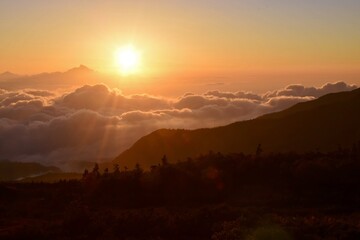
321,124
80,75
8,76
11,171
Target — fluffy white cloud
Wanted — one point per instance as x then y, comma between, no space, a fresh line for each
95,122
100,97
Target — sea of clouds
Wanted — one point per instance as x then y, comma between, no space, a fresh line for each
96,122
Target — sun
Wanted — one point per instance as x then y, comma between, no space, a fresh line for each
128,59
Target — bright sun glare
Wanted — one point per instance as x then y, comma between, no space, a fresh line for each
128,59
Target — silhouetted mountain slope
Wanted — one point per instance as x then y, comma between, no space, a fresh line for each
10,171
325,124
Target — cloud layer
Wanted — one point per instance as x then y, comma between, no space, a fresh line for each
95,122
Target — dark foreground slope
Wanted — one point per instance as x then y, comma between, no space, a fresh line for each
323,124
284,196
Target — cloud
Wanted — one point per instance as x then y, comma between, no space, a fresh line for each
100,97
282,102
240,94
198,101
96,122
302,91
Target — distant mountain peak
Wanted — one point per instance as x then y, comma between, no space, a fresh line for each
8,75
80,69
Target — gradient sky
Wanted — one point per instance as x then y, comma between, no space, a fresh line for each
184,37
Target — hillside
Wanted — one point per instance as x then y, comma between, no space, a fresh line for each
10,171
322,124
53,177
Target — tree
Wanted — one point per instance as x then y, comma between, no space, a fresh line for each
95,172
153,168
85,174
106,172
116,169
138,169
164,161
259,150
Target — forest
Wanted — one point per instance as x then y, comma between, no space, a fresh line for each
313,195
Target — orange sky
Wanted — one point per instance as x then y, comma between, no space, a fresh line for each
183,38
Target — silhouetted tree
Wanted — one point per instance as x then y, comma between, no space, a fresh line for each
85,174
259,150
138,169
95,172
106,172
164,161
153,168
116,169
